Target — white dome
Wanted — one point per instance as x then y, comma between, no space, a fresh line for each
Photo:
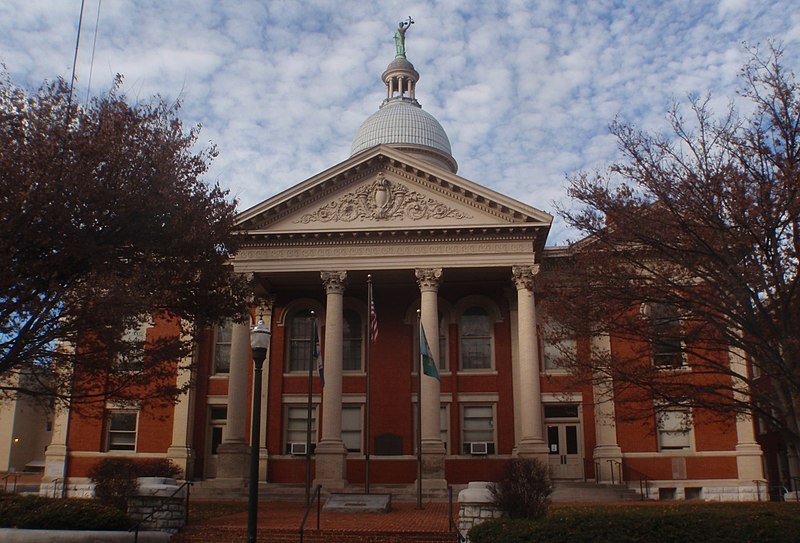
401,122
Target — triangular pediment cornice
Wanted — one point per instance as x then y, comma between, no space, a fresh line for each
380,186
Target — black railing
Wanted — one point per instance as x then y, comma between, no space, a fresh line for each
316,496
453,523
615,468
630,473
5,482
187,485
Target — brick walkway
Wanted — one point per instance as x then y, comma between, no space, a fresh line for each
279,522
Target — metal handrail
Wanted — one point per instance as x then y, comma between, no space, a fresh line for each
316,496
5,482
135,527
644,480
758,488
453,524
614,464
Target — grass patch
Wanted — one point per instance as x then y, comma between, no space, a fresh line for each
707,522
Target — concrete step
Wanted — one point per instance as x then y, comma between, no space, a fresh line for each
581,492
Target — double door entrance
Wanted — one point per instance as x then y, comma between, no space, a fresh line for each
564,441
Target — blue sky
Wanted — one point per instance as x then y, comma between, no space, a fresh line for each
525,90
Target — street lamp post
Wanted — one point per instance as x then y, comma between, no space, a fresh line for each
259,342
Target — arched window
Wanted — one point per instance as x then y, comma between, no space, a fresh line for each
351,341
475,332
300,329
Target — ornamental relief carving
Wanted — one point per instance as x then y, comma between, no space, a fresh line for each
382,200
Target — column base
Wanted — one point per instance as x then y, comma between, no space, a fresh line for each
533,448
183,457
331,465
749,461
433,453
263,462
233,461
608,462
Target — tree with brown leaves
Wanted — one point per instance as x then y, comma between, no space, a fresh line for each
690,260
105,227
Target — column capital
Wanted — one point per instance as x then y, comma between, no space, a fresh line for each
523,276
334,281
429,278
264,305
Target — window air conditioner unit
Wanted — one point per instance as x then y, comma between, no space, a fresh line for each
297,449
478,448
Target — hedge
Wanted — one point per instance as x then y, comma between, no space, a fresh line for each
36,512
709,523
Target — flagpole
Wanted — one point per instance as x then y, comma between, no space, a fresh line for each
369,383
419,411
314,340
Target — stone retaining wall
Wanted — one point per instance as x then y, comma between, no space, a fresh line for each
475,507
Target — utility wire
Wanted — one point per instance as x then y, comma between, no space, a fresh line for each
94,46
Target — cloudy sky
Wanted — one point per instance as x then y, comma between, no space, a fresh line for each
524,89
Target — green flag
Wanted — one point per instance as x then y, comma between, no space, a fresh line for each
428,363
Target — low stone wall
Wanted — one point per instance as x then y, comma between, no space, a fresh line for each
475,507
159,494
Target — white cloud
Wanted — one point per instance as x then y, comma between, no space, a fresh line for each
524,89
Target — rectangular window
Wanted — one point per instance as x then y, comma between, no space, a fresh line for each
674,429
122,430
218,415
134,340
296,425
351,427
666,335
222,348
558,348
477,426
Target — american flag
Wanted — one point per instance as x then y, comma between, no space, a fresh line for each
373,322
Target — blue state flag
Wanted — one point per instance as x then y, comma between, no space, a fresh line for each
428,363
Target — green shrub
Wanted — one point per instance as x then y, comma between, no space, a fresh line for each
523,488
710,523
157,467
60,514
115,478
114,481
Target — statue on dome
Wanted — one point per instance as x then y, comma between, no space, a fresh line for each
400,37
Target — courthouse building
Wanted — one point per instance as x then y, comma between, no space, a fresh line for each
436,247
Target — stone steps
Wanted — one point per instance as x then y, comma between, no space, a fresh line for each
580,492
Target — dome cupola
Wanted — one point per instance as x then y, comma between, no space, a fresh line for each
400,121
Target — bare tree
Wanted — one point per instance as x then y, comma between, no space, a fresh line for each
690,259
105,224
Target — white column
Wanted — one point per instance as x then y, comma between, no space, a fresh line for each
748,451
233,451
531,442
180,450
433,450
330,452
607,453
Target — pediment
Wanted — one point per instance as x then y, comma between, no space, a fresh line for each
385,189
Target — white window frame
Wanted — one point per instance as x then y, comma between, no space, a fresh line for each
551,350
218,342
657,348
298,435
492,429
674,425
216,423
290,367
136,334
490,337
111,432
356,429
